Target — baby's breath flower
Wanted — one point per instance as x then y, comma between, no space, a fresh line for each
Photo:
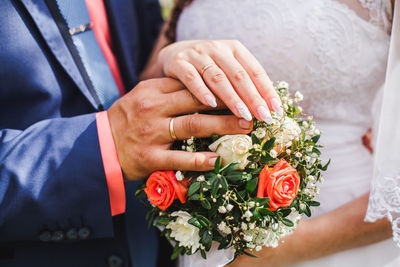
288,151
305,124
251,204
258,248
283,84
273,153
248,214
243,226
179,176
298,96
298,154
201,178
221,209
229,207
260,132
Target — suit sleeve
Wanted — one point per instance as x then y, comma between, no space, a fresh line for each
52,178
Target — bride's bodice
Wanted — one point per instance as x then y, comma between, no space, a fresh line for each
335,53
324,49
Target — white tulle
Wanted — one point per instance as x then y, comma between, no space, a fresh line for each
335,52
385,190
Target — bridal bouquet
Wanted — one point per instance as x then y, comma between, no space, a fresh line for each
261,184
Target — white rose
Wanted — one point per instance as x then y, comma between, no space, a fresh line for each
183,232
233,148
289,130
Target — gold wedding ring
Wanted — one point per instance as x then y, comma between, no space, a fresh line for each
171,129
206,67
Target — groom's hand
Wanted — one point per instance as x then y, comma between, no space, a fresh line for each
224,68
140,123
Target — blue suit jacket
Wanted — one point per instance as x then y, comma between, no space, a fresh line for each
54,205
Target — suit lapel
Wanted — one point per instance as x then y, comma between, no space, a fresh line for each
43,19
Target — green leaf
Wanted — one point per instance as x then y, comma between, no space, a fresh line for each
195,222
224,183
249,254
194,197
265,212
231,167
177,252
256,215
235,177
287,222
162,221
313,203
252,185
262,200
206,204
217,165
203,254
315,138
325,167
203,220
194,187
206,237
285,212
215,186
269,144
255,139
307,211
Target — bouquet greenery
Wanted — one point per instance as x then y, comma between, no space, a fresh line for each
260,186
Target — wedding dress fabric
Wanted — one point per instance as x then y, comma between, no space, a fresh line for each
335,53
385,190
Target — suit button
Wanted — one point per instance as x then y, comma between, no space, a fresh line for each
84,233
45,236
72,234
58,236
115,261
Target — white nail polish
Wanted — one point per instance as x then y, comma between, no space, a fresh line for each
277,106
243,111
264,114
210,100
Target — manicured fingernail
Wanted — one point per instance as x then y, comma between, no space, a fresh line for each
277,106
210,100
243,111
245,124
212,161
264,114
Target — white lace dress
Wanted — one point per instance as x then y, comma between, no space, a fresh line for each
335,53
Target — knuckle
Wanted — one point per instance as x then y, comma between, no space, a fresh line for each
145,129
217,77
198,161
190,76
259,73
192,124
214,44
240,75
145,105
198,48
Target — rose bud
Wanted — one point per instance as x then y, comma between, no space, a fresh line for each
162,188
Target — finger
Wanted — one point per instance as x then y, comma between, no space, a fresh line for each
185,161
244,86
259,77
216,79
167,85
191,78
201,125
184,102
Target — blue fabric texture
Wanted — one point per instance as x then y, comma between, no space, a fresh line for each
54,205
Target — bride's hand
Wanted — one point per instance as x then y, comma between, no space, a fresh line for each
226,69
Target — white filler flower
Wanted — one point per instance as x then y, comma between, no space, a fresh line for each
183,232
289,130
233,148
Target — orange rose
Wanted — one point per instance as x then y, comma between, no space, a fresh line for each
280,183
162,188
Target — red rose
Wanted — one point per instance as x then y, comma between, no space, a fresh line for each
281,184
162,188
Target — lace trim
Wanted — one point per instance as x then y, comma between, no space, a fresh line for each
380,12
384,201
